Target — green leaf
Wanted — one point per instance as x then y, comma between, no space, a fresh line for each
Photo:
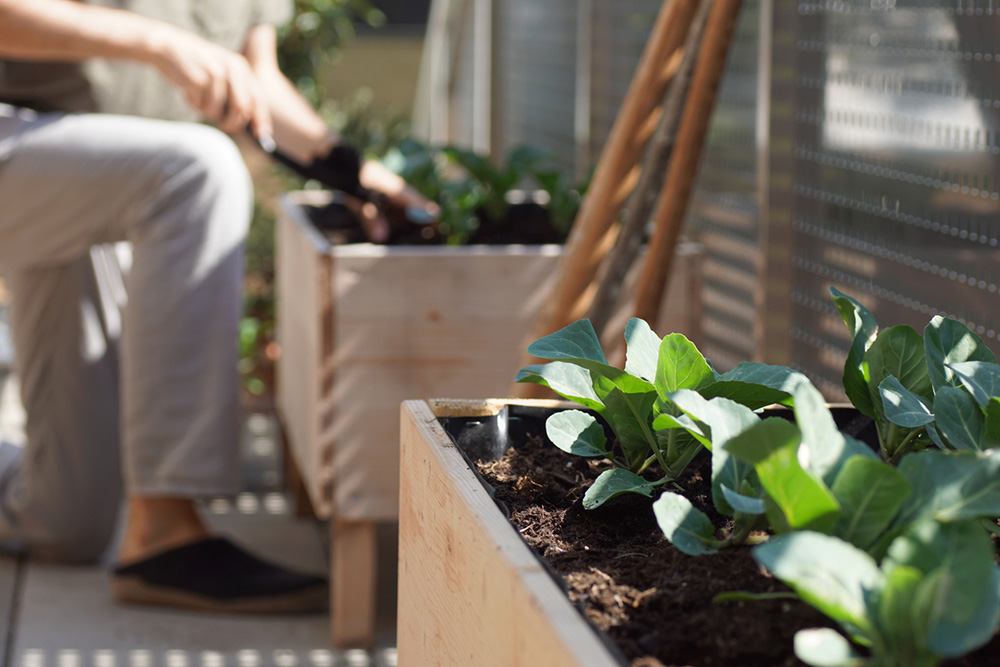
902,406
958,418
948,341
826,449
568,380
950,486
899,613
641,349
626,401
991,428
936,437
756,385
981,378
825,647
575,341
719,420
629,412
963,611
898,352
686,527
741,503
772,448
577,433
615,482
827,573
863,328
680,366
870,494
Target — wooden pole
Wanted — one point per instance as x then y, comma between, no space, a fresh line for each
672,206
644,197
615,174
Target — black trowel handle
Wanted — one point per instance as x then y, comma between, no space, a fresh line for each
338,170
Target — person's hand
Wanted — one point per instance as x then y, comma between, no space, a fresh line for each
217,82
376,177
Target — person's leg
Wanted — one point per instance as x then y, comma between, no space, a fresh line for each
78,180
182,196
62,497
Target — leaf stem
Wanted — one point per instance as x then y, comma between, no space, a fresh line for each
906,445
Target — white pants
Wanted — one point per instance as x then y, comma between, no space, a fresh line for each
148,393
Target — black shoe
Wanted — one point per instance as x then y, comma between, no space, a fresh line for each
214,574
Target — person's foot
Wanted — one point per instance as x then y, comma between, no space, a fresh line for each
213,574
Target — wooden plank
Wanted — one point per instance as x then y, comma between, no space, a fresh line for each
417,323
299,258
470,590
354,570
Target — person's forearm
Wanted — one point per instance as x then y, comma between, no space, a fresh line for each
67,30
298,129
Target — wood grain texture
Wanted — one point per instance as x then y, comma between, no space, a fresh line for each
470,590
672,205
363,328
353,583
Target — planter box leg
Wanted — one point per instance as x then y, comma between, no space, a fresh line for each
302,506
353,570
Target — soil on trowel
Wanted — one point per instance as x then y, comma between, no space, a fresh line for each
654,602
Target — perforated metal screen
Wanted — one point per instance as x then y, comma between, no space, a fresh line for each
854,143
893,168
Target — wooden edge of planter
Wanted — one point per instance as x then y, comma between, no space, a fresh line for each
471,592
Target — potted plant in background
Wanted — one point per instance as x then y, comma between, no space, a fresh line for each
363,327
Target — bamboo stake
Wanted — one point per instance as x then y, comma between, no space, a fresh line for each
654,167
684,160
614,176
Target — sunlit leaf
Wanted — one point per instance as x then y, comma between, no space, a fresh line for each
615,482
686,527
863,328
827,573
902,406
642,348
948,341
576,433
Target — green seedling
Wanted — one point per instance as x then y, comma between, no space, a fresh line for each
939,388
936,594
649,429
783,475
808,475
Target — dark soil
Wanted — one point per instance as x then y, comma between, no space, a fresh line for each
654,602
526,224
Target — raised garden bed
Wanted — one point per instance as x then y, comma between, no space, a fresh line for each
470,593
363,327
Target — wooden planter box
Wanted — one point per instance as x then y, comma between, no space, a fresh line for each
364,327
471,592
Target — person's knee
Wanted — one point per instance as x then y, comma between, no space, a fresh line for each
214,163
205,186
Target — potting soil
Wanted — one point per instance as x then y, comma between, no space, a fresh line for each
655,602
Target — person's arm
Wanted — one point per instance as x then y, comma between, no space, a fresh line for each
217,83
302,134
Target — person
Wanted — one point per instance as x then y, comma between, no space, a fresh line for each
135,390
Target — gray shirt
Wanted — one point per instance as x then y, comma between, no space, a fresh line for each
132,88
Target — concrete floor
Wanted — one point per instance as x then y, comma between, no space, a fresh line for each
63,616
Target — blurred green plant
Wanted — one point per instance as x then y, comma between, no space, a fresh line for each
474,191
314,38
